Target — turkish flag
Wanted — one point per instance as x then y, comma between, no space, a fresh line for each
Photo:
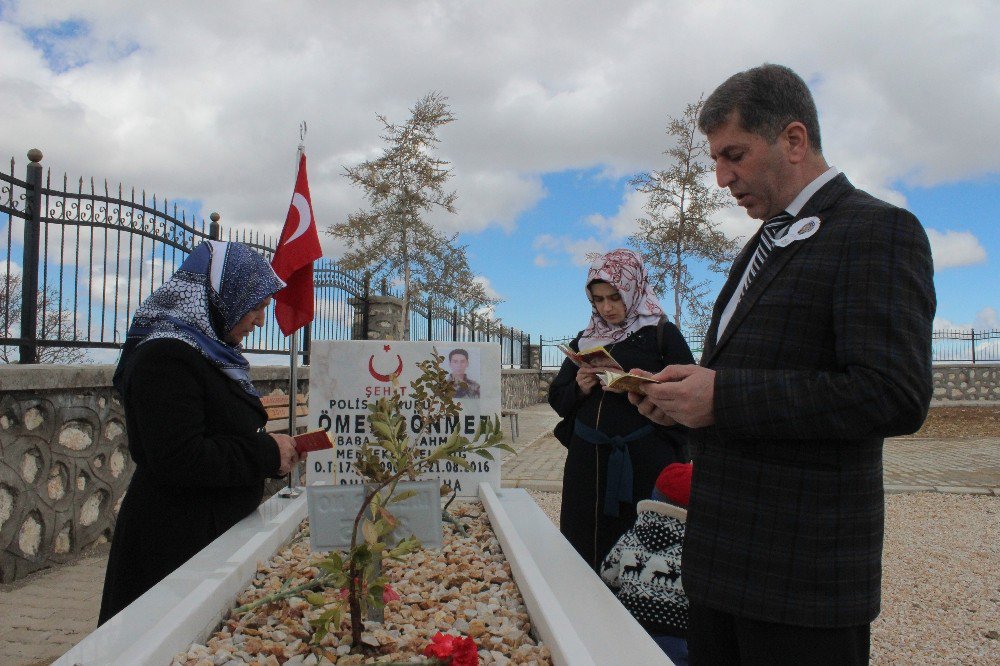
298,247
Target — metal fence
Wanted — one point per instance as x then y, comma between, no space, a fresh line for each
552,357
431,321
947,346
89,254
972,346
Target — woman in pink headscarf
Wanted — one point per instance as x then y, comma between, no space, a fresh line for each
615,453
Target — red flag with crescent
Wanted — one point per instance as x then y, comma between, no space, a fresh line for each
298,248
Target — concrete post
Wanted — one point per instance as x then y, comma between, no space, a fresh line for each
385,318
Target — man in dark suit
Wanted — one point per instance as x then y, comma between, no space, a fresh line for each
819,347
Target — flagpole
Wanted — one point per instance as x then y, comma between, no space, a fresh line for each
293,389
295,474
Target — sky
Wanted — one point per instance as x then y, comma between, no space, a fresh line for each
557,105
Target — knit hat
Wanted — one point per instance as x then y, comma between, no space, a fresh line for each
675,483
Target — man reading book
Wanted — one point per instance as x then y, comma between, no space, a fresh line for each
818,348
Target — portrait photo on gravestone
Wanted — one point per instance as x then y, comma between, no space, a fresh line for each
462,364
348,376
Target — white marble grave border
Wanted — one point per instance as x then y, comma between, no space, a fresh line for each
573,611
575,614
189,604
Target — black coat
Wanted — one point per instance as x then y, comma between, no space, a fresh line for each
828,352
582,517
201,461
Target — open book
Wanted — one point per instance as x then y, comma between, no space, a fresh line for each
314,440
595,357
625,381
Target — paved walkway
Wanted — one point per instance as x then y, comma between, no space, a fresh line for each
911,464
44,615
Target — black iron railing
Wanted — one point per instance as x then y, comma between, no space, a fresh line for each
434,320
947,346
89,254
966,346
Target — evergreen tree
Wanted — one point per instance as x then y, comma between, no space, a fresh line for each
678,228
392,239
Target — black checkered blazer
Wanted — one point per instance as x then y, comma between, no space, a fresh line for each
828,353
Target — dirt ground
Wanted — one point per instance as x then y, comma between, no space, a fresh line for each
961,422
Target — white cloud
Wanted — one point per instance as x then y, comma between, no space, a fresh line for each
579,249
549,246
488,287
203,101
955,248
735,224
985,319
733,221
575,250
15,269
624,223
940,323
488,197
545,242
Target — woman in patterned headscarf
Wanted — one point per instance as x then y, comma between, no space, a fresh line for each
194,419
615,453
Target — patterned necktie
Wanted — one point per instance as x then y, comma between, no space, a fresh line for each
772,228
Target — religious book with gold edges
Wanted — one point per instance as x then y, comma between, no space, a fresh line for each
314,440
625,381
595,357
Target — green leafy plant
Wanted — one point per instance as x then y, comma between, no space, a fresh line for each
358,571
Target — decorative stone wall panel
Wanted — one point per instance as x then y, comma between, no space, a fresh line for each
967,383
64,461
55,446
518,388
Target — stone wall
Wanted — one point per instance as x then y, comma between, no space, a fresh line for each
64,464
544,381
966,383
519,388
64,461
385,318
273,380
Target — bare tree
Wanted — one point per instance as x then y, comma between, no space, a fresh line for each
50,320
392,239
678,228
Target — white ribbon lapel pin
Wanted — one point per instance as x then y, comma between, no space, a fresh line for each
800,230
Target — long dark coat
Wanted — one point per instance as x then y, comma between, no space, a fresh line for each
582,518
200,461
827,353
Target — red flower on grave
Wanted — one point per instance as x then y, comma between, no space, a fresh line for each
453,650
389,594
466,653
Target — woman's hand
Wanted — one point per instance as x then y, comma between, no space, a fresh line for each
286,449
586,379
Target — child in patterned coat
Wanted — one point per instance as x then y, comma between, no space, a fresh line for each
644,567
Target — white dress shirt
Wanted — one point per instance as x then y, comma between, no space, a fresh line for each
792,209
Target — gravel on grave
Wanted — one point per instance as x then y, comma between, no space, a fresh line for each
466,588
940,590
940,579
